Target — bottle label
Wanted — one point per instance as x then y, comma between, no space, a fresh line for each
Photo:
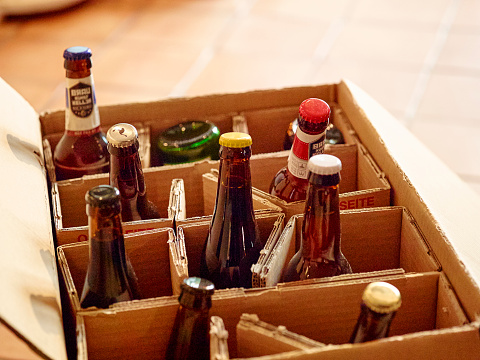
303,148
81,115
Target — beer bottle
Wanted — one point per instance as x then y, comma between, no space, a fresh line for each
232,244
188,141
110,278
333,135
380,302
190,335
126,173
290,183
82,150
320,253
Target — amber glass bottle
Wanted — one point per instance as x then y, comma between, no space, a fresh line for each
110,278
126,173
190,335
320,253
290,183
232,244
380,302
82,150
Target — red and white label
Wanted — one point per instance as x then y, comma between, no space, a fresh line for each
303,148
81,115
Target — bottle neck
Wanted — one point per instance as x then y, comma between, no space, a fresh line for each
304,146
126,174
371,325
321,223
107,266
81,115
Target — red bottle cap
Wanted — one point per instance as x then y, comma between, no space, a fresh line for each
314,110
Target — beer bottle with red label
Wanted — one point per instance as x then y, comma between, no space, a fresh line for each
110,276
290,183
82,150
380,302
190,334
232,245
126,173
320,253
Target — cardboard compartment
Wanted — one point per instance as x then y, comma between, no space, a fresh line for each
69,204
362,184
323,312
50,142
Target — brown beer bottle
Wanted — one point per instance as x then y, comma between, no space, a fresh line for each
320,253
232,244
110,278
190,335
380,302
126,173
290,183
82,150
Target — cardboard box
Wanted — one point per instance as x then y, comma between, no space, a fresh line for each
445,211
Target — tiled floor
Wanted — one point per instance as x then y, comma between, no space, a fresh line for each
419,59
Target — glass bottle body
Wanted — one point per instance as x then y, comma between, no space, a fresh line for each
320,252
290,183
82,150
109,278
371,325
232,244
126,174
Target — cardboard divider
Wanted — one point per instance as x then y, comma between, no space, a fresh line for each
324,312
362,184
69,204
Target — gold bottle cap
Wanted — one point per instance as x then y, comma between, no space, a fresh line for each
382,297
324,164
122,135
235,140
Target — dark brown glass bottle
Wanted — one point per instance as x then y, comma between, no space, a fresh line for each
232,244
290,183
82,150
109,276
126,173
190,335
320,253
380,302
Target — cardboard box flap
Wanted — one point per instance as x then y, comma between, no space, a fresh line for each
30,305
418,174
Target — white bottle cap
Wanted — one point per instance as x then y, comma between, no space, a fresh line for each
324,164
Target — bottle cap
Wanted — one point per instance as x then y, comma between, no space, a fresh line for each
324,164
122,135
198,285
314,110
103,196
77,53
382,297
235,140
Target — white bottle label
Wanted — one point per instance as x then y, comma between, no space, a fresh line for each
303,148
81,115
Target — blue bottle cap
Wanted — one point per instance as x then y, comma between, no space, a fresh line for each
77,53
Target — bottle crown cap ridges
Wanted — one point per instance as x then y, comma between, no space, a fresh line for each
235,140
77,53
314,110
324,164
122,135
382,297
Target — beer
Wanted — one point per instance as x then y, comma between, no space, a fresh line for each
126,173
380,302
188,141
190,334
110,278
82,150
232,244
320,252
290,183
